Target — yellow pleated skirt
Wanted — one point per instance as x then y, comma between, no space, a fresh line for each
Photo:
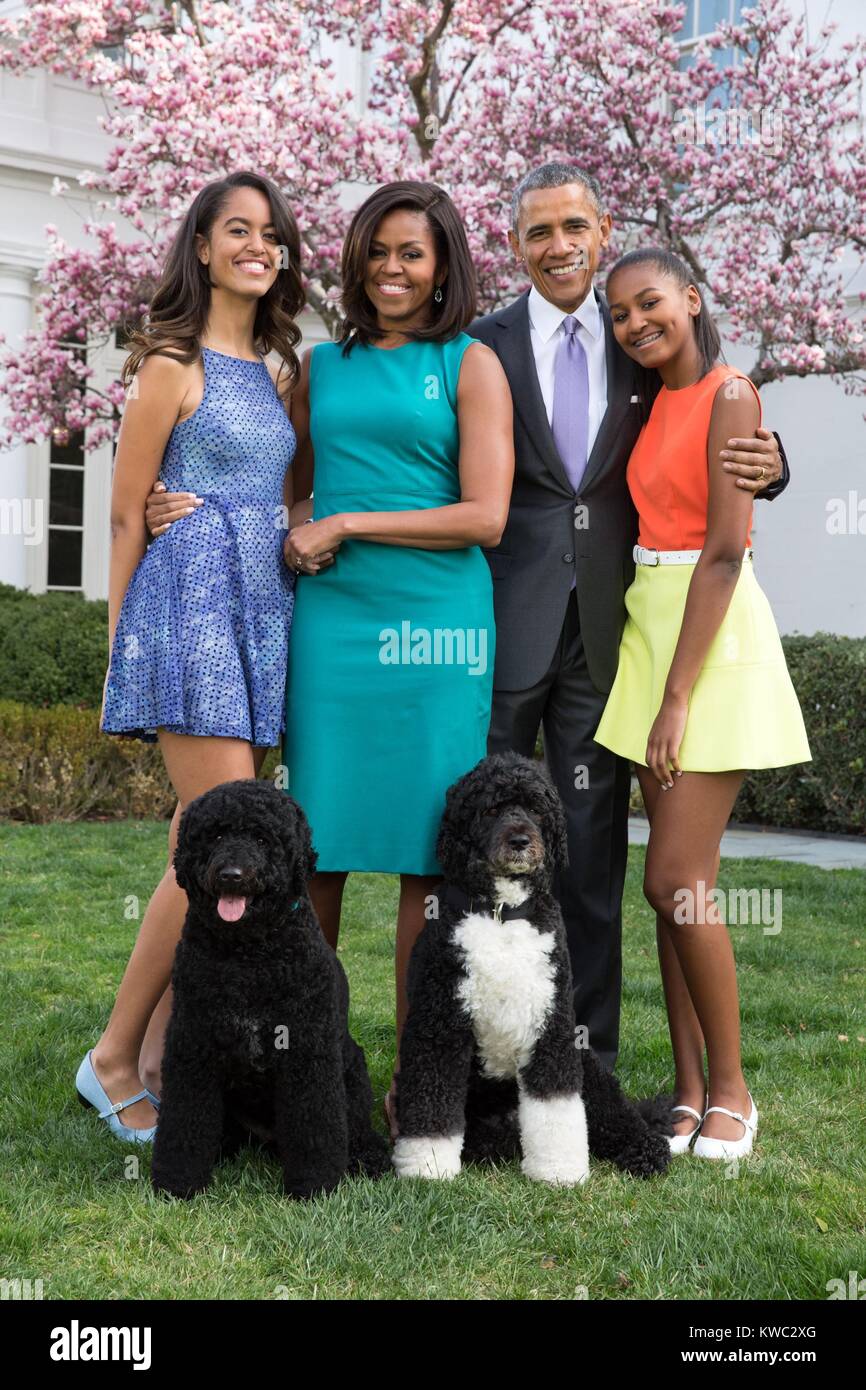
743,709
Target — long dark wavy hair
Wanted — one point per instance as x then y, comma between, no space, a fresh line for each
705,330
459,289
179,308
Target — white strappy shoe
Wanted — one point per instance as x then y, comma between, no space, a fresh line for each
680,1142
706,1147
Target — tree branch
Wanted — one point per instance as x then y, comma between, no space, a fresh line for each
846,364
506,24
189,8
420,83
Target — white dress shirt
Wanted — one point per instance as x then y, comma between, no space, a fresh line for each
546,333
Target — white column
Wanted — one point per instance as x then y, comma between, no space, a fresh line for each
18,511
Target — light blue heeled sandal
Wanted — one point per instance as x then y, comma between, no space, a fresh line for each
93,1096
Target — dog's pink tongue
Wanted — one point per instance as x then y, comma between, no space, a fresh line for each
231,909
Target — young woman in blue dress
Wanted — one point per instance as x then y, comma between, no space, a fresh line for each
405,432
199,621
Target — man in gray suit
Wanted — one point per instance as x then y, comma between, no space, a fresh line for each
565,560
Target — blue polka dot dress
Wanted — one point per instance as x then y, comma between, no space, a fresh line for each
202,637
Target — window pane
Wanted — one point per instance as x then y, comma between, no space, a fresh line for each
713,12
687,28
66,502
64,558
72,452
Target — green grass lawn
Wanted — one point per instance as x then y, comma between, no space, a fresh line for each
77,1211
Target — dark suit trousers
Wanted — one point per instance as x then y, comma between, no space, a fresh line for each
594,786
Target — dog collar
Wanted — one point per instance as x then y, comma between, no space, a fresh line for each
451,896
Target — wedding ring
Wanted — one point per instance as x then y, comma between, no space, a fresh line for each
762,472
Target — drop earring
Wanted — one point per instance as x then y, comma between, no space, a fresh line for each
438,295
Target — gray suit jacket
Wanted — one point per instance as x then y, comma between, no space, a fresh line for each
551,534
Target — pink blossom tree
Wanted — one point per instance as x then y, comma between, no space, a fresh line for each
762,194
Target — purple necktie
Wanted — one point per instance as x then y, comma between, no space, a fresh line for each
571,402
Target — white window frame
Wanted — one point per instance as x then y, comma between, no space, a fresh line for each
96,510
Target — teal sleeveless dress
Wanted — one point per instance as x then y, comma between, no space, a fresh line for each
390,667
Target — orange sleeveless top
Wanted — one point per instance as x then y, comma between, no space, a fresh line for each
667,472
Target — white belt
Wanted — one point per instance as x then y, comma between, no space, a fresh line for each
671,557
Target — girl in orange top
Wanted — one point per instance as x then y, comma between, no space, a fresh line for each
702,691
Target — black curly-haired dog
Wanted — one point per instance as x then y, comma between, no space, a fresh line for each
258,1041
490,1059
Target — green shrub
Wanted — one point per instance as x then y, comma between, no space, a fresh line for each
55,764
829,793
53,648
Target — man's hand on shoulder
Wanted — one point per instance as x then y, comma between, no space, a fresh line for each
756,462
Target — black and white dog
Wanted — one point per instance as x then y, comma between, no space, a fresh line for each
490,1060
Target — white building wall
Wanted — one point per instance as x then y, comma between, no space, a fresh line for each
814,577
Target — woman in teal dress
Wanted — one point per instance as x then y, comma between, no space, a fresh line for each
404,428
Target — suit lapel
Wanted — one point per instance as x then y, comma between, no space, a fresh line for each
518,360
620,387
